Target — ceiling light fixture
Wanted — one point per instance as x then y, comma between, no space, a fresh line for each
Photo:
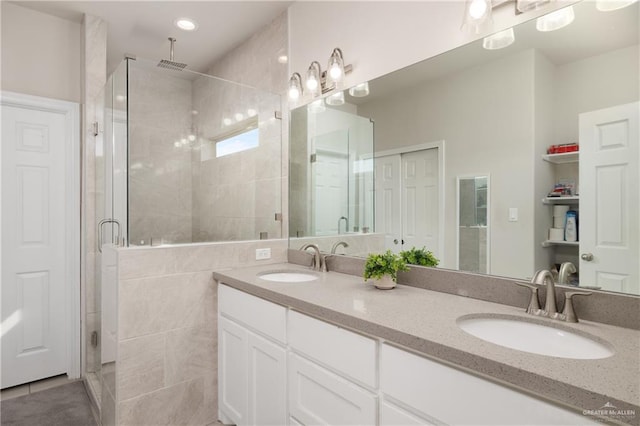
555,20
610,5
335,69
499,40
186,24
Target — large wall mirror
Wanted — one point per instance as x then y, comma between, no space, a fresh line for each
478,112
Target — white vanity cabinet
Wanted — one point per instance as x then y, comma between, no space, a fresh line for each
252,367
332,373
446,395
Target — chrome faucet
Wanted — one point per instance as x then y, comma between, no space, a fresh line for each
565,269
544,277
338,244
346,221
319,263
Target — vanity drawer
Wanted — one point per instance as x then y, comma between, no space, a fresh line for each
456,397
262,316
344,351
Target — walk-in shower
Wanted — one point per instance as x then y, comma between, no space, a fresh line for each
180,157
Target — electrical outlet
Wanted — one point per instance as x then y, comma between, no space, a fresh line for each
263,254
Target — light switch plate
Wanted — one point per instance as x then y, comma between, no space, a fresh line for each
263,254
513,214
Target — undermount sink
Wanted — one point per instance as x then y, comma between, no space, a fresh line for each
288,276
517,333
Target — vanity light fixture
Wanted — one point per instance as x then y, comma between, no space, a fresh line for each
313,82
610,5
295,86
336,99
555,20
359,90
335,69
499,40
319,82
477,16
186,24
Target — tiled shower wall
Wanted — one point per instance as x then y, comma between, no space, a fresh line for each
167,329
160,189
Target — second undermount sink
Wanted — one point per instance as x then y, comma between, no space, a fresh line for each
516,333
288,276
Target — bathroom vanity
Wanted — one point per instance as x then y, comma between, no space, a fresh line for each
335,350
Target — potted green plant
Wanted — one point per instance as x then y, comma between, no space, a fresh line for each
383,269
420,257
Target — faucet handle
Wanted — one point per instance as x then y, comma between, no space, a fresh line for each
568,312
534,303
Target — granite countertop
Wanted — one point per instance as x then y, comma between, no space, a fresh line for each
425,321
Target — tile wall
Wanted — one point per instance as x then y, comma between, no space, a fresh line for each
166,370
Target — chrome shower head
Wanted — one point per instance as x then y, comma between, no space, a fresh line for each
171,64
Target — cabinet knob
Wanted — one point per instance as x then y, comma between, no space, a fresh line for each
587,257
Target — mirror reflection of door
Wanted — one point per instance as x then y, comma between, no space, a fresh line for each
407,200
473,224
330,174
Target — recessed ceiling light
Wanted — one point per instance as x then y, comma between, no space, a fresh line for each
186,24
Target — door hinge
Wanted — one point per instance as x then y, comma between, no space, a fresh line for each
277,115
279,217
94,128
312,158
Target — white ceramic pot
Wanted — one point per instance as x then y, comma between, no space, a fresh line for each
384,283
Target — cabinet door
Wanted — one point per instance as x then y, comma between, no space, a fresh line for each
232,371
267,382
317,396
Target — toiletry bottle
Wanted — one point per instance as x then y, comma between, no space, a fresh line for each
571,226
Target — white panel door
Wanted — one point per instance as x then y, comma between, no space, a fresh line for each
388,201
36,279
609,228
420,200
267,382
331,192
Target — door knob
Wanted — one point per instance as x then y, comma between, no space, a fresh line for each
395,241
588,257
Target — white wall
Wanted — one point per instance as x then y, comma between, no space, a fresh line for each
380,37
41,54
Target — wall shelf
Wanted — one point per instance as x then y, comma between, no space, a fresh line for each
565,157
561,200
550,243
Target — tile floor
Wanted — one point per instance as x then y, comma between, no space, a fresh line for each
51,402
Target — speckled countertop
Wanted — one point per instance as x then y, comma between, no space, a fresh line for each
425,321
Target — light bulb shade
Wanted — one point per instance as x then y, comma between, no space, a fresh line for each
529,5
499,40
555,20
477,16
610,5
316,106
359,90
335,69
313,79
335,99
295,87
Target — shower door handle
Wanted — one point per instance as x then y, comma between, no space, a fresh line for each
100,228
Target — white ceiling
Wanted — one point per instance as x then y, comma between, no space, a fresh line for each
141,28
